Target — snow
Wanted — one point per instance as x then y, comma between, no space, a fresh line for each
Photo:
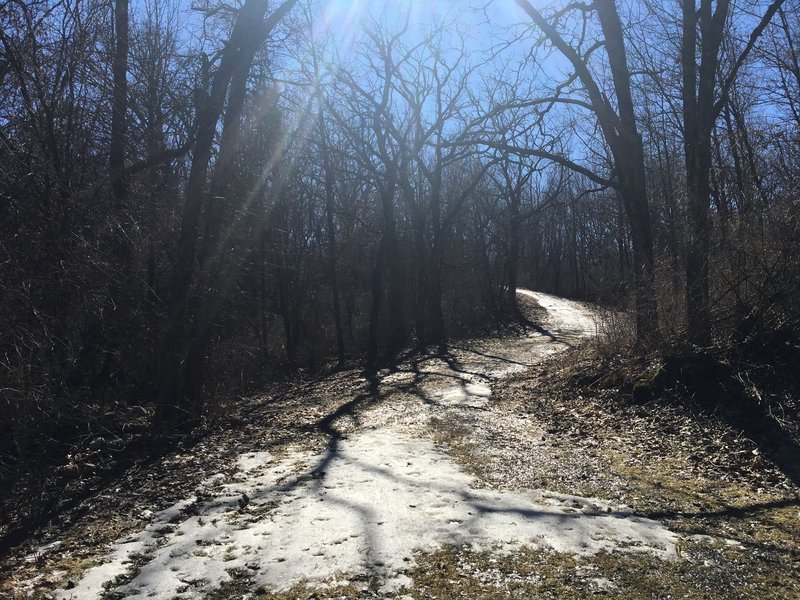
366,508
116,564
383,497
252,460
567,319
475,395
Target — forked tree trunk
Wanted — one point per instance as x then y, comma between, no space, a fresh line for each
192,308
702,105
698,122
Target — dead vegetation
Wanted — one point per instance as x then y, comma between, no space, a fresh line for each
671,438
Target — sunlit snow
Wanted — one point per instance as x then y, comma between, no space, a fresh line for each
365,507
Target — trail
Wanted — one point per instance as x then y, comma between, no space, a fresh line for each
379,493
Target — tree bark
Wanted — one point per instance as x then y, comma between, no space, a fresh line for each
702,105
193,307
621,135
119,103
331,235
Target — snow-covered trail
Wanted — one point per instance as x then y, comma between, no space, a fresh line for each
379,494
567,319
465,375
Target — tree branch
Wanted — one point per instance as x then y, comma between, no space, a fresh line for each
754,35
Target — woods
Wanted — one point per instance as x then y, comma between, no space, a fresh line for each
199,200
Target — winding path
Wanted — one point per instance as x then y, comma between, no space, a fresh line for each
378,494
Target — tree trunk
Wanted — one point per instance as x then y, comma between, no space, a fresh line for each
119,102
698,312
397,328
634,196
421,255
512,260
626,145
192,308
435,317
331,234
376,287
698,122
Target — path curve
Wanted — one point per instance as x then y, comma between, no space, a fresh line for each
567,319
378,495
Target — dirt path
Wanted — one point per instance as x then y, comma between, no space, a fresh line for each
383,489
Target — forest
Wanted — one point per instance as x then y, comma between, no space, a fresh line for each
205,203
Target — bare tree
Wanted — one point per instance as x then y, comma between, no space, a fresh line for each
618,124
190,319
119,101
703,100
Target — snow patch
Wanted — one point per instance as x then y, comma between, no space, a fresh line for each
474,395
566,317
363,509
124,552
253,460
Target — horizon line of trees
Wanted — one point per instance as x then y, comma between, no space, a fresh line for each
183,214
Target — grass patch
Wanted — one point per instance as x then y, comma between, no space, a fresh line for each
706,569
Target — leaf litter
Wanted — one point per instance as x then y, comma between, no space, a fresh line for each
416,460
